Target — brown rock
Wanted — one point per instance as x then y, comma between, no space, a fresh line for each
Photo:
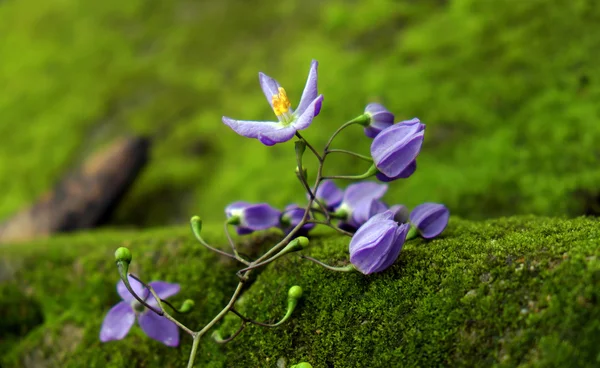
84,198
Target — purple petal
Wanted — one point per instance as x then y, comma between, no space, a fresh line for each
269,86
363,191
365,210
117,323
366,233
252,129
137,287
329,194
294,214
165,289
394,149
159,328
381,119
394,250
372,244
310,90
260,217
303,121
277,136
414,122
410,169
430,218
235,206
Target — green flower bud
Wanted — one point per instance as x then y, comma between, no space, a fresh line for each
301,365
196,223
302,241
123,254
295,292
187,306
304,173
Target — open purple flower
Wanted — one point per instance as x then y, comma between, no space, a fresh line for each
377,244
380,119
250,217
291,217
430,219
290,121
395,149
360,202
329,194
120,318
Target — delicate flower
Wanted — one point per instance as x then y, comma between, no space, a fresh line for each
329,194
395,149
250,217
291,217
120,318
290,121
377,244
380,119
410,169
360,201
430,219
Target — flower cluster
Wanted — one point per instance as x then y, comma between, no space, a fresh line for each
378,230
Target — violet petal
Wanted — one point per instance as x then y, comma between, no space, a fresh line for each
269,138
310,89
117,323
303,120
137,287
260,217
430,218
269,86
252,129
159,328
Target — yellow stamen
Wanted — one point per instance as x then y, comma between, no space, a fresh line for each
281,104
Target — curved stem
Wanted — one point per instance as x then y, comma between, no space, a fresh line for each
358,155
346,268
125,279
344,126
223,253
230,338
341,231
310,147
232,243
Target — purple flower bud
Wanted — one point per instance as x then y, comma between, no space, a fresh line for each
430,219
329,194
380,119
252,217
377,244
403,175
395,149
401,213
291,217
357,201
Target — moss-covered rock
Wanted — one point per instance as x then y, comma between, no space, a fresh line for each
508,90
514,291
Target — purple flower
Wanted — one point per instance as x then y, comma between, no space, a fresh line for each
401,213
329,194
380,119
291,217
120,318
250,217
360,202
430,219
395,149
377,244
410,169
290,121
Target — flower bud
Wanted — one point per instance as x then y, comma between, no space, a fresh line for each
187,306
123,254
395,149
249,217
196,223
301,365
430,219
295,292
379,119
377,244
292,215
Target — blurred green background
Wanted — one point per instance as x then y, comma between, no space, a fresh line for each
509,91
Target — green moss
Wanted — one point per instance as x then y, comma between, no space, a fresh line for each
507,90
506,292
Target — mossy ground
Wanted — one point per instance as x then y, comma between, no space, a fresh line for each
508,90
514,291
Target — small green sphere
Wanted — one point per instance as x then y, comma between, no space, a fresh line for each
187,306
302,365
295,292
303,241
123,254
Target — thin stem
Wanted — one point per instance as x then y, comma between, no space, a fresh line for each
362,157
167,315
193,351
232,243
199,238
130,289
344,126
230,338
341,231
347,268
246,319
310,147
